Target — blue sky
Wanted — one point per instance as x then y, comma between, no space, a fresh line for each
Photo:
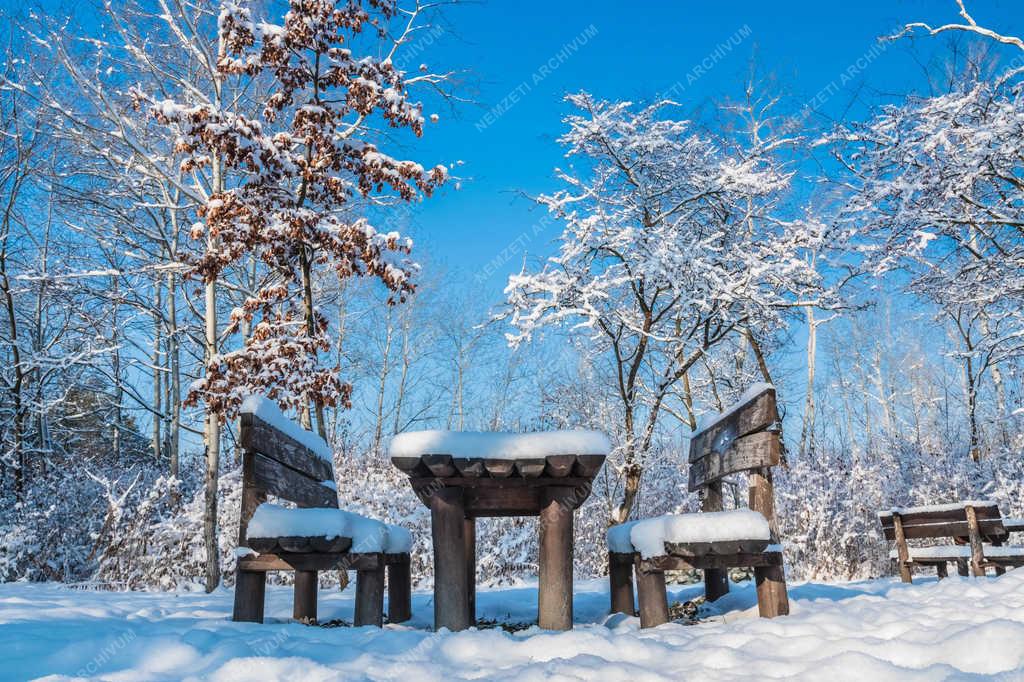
507,137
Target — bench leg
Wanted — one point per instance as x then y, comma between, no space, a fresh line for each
940,570
250,589
620,579
554,583
650,589
905,574
370,596
304,607
716,583
961,567
772,599
399,591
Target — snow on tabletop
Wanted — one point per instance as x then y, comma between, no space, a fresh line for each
399,540
1008,521
368,535
650,535
953,506
496,445
709,420
618,538
267,410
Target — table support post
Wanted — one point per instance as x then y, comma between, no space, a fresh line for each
554,608
469,533
451,585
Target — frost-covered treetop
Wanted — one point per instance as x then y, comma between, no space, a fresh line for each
659,212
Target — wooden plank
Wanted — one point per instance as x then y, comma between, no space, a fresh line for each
497,501
992,529
293,562
700,549
259,436
252,497
530,468
757,414
439,465
755,451
296,545
469,468
500,468
263,545
559,466
289,484
708,561
587,466
468,483
941,516
411,466
554,585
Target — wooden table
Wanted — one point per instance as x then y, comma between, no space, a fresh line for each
459,490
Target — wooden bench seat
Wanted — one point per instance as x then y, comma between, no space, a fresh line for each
743,439
282,460
977,529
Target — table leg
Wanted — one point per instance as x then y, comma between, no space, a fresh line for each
451,589
469,534
554,608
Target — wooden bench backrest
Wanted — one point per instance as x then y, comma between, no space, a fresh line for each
943,523
747,439
275,463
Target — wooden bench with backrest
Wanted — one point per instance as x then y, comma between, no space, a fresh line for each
978,530
282,459
745,438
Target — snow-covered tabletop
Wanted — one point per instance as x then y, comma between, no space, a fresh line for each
464,475
472,454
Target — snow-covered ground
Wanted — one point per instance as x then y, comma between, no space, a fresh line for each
958,629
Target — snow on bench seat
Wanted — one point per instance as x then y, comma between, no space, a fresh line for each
935,508
497,445
268,411
649,536
952,552
368,535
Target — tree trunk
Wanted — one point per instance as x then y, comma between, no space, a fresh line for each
807,430
174,428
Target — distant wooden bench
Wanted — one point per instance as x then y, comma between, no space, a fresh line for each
744,438
278,459
977,529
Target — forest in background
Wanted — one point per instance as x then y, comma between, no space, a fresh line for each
873,270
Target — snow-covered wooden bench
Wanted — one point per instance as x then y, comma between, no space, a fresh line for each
977,529
282,459
743,438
